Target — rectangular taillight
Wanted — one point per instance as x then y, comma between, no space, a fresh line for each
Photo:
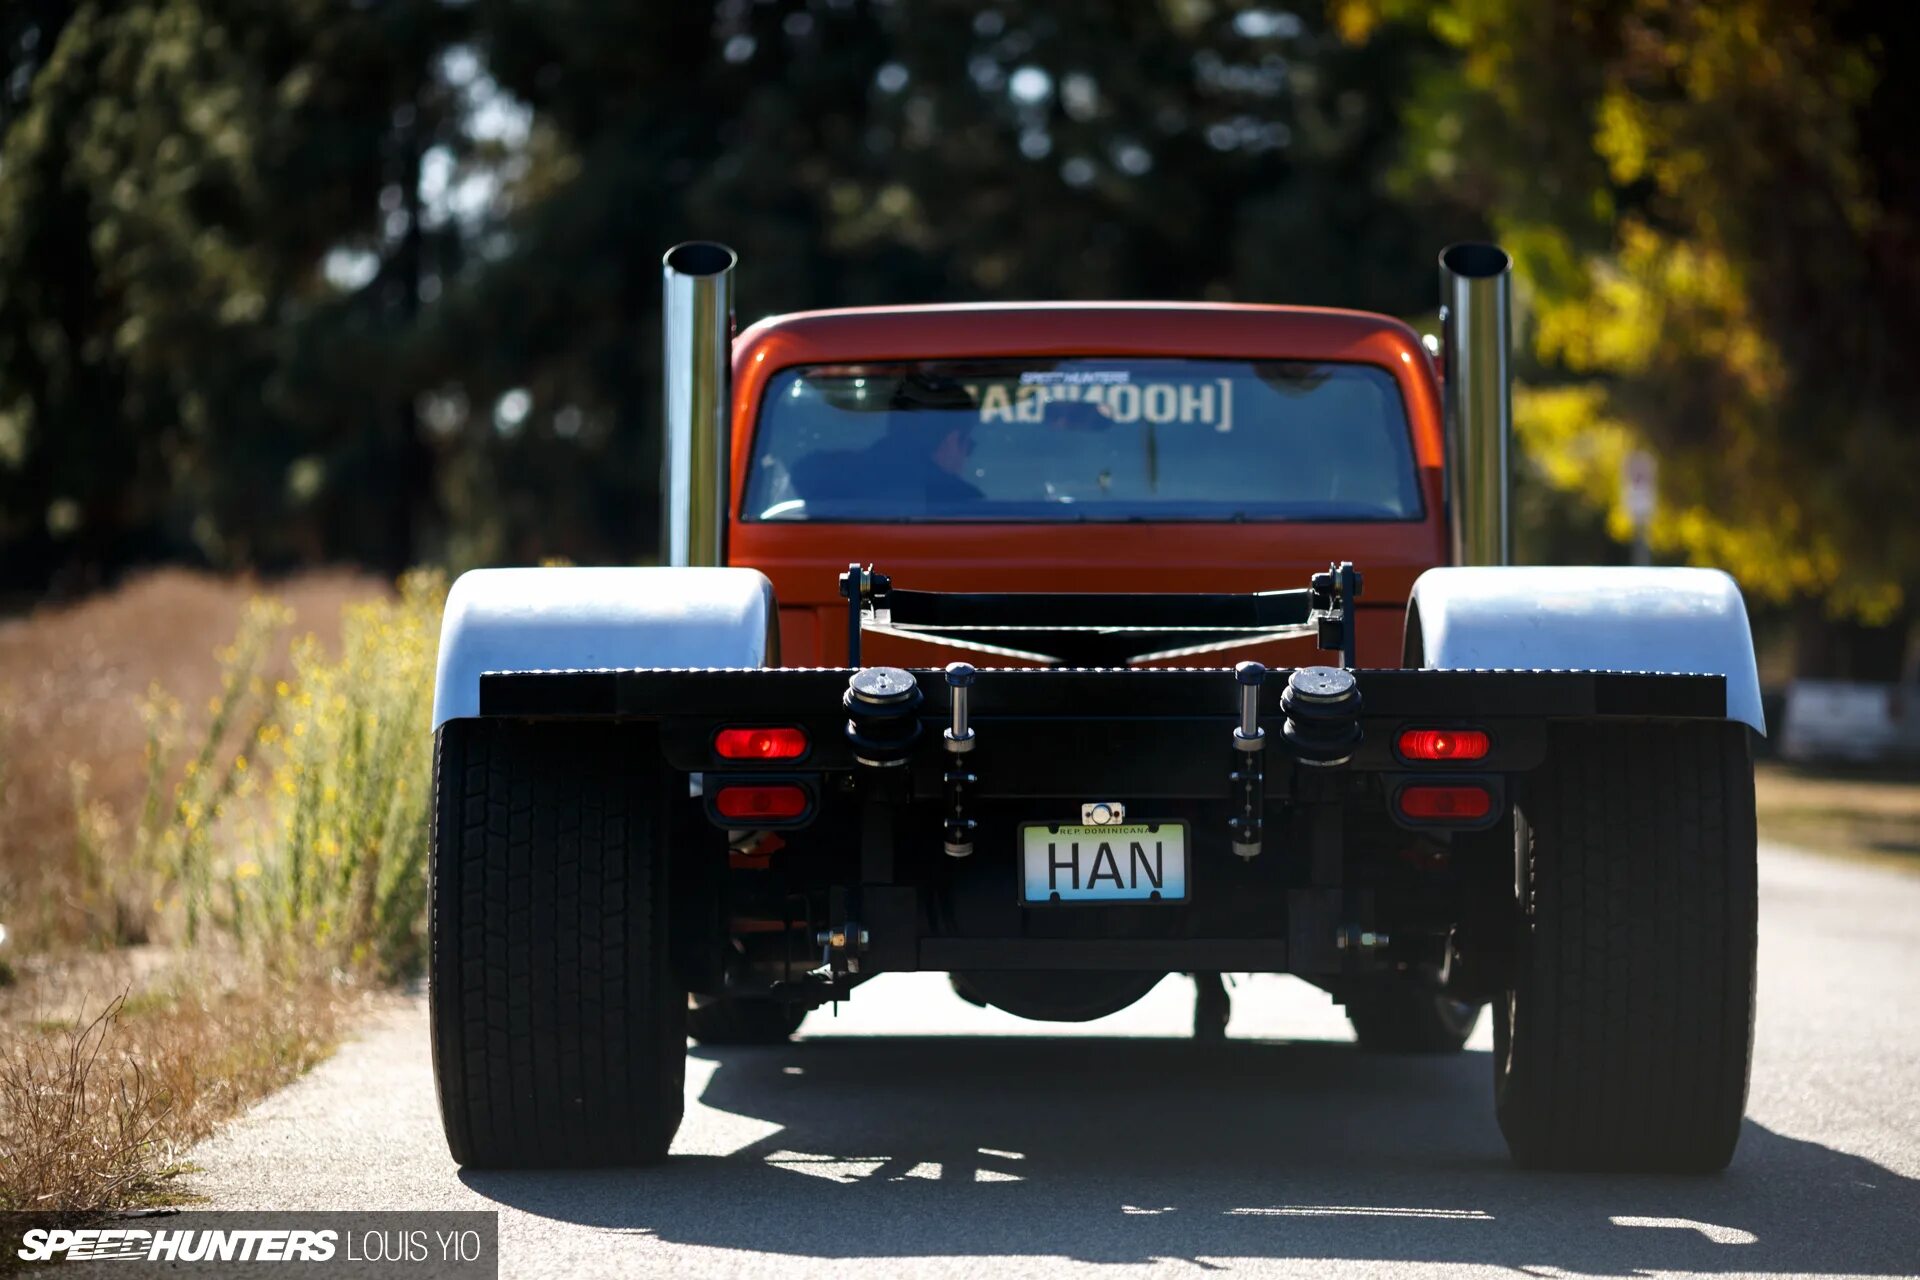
1444,802
760,742
755,802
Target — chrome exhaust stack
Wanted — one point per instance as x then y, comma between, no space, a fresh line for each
1476,317
698,372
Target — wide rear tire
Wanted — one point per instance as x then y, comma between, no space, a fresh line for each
1626,1041
559,1036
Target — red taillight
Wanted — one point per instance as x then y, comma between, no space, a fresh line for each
776,743
1444,744
1425,803
773,802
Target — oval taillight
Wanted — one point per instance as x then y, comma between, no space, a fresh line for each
765,742
1444,745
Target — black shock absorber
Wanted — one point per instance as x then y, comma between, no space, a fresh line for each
882,716
1322,706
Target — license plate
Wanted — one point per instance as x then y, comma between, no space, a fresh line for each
1128,862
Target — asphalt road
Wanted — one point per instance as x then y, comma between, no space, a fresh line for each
916,1135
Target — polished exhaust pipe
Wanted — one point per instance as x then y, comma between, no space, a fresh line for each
698,306
1476,317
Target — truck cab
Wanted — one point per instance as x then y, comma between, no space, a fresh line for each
1059,648
1119,447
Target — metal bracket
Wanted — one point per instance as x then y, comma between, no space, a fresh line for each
1334,615
1352,937
858,587
840,947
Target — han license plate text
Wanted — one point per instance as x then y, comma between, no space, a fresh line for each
1127,862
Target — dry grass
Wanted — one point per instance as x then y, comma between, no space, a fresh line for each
72,737
300,828
97,1107
122,808
1862,814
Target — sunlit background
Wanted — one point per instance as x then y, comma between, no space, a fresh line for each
377,283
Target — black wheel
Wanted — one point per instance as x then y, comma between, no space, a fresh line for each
742,1020
1626,1041
559,1036
1402,1017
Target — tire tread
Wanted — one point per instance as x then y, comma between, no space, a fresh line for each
1629,1044
559,1038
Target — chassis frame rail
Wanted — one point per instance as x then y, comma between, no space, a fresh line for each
1096,693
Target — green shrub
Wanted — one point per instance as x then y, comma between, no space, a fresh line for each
299,825
342,867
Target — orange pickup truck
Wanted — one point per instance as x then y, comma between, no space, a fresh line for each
1059,647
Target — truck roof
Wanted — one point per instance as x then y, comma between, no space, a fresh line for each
1196,330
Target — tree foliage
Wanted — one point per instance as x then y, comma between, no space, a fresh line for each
860,153
1713,205
170,190
309,280
304,281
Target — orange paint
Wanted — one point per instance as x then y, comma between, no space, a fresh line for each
804,560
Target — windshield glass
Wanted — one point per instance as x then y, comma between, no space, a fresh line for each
1083,439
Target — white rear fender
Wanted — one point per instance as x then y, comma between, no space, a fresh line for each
1690,621
591,619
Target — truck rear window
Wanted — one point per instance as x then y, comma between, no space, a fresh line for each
1083,439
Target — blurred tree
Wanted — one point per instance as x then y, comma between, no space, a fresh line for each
182,366
29,29
1713,204
859,153
305,280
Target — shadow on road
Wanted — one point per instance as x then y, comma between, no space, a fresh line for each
1127,1150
